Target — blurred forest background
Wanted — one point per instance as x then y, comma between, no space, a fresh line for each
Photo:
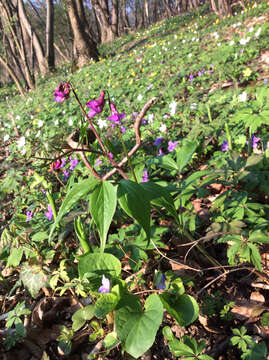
39,35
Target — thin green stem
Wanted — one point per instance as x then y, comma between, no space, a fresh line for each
127,155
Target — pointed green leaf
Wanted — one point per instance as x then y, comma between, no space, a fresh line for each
159,196
134,201
102,206
184,154
72,197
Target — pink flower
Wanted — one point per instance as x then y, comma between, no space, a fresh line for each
115,115
96,106
62,92
172,145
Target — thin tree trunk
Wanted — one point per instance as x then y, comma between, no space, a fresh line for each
86,48
25,23
13,75
50,55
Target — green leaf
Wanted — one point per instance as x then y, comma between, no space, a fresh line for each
255,256
111,340
178,348
134,201
167,333
81,316
183,308
258,352
33,279
102,206
72,197
159,196
166,162
184,154
137,329
99,264
265,319
15,257
105,304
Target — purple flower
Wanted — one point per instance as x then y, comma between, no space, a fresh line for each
160,283
96,106
145,176
122,129
105,288
66,175
254,141
160,153
265,81
110,155
225,146
29,215
73,163
191,78
242,50
200,73
63,162
98,162
158,141
115,115
172,145
49,213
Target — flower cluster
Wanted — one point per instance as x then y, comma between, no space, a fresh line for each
62,92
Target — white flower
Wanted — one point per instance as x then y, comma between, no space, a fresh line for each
231,43
175,47
251,29
40,123
27,133
102,123
183,41
216,35
21,142
243,97
23,152
163,128
193,106
173,107
56,122
70,122
6,137
257,33
219,44
138,60
38,134
190,55
18,117
175,36
193,39
140,97
150,118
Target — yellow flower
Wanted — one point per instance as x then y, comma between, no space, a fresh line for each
38,110
35,122
217,21
247,72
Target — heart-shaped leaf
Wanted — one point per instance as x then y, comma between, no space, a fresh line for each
137,328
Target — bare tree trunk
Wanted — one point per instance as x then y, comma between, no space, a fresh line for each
103,16
12,74
86,48
222,9
16,44
50,55
25,23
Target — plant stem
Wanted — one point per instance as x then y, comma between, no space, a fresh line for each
127,155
